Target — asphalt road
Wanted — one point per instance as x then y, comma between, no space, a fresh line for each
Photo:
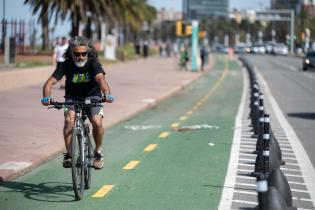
294,90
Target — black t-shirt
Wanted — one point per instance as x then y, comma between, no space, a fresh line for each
80,81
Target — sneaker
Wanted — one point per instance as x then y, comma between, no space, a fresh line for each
66,160
98,160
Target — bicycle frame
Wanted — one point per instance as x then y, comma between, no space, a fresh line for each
83,129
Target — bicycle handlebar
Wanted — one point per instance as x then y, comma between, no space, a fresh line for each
81,103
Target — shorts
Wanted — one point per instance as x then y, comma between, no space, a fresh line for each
94,110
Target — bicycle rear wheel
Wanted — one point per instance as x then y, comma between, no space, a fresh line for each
89,155
77,163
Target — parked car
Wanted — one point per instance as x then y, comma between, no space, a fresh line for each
280,49
240,48
268,46
220,48
259,49
309,60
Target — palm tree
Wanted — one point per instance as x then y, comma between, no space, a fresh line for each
42,6
131,14
81,11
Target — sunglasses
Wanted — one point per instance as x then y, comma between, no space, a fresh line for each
78,54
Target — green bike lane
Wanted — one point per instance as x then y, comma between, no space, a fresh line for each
172,156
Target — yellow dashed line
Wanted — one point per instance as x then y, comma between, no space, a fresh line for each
131,165
103,191
164,134
150,147
175,125
199,104
189,112
183,118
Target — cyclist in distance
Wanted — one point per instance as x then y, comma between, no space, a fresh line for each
85,79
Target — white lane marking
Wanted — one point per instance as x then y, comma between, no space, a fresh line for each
255,193
200,127
254,178
142,127
245,202
307,168
12,165
227,193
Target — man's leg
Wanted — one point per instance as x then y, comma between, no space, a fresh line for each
67,132
98,133
98,130
68,128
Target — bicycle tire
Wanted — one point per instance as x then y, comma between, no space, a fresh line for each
77,165
89,155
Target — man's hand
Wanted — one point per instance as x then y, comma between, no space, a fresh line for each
108,98
46,101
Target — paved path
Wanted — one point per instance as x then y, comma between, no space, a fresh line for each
30,134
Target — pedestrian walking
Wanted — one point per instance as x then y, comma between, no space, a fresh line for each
58,56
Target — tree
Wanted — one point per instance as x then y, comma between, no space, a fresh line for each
42,6
131,14
81,11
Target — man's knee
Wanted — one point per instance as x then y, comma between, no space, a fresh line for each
97,123
69,121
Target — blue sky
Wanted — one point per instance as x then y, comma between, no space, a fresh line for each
16,9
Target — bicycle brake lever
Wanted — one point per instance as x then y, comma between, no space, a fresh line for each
55,106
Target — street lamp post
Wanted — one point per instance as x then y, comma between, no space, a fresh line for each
3,26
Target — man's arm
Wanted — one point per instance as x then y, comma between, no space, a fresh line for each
47,88
100,79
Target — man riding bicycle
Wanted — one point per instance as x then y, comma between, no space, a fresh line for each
85,79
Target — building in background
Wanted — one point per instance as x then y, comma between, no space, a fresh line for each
167,15
205,9
296,5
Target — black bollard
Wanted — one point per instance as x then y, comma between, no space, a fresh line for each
262,189
259,115
274,200
278,180
262,149
260,140
266,137
253,106
276,147
254,112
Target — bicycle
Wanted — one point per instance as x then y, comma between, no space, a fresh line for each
81,147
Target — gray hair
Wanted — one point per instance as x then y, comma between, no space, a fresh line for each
80,41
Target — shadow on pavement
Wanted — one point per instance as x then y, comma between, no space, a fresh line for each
305,115
46,192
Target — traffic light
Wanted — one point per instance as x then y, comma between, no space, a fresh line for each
179,28
188,30
202,34
183,28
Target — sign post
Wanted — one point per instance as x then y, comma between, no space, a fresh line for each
194,45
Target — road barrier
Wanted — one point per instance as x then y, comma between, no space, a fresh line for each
273,190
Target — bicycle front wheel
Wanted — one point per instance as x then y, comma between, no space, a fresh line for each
77,163
89,155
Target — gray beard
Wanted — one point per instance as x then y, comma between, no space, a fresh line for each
80,63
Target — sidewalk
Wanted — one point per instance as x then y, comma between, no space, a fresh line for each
30,134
